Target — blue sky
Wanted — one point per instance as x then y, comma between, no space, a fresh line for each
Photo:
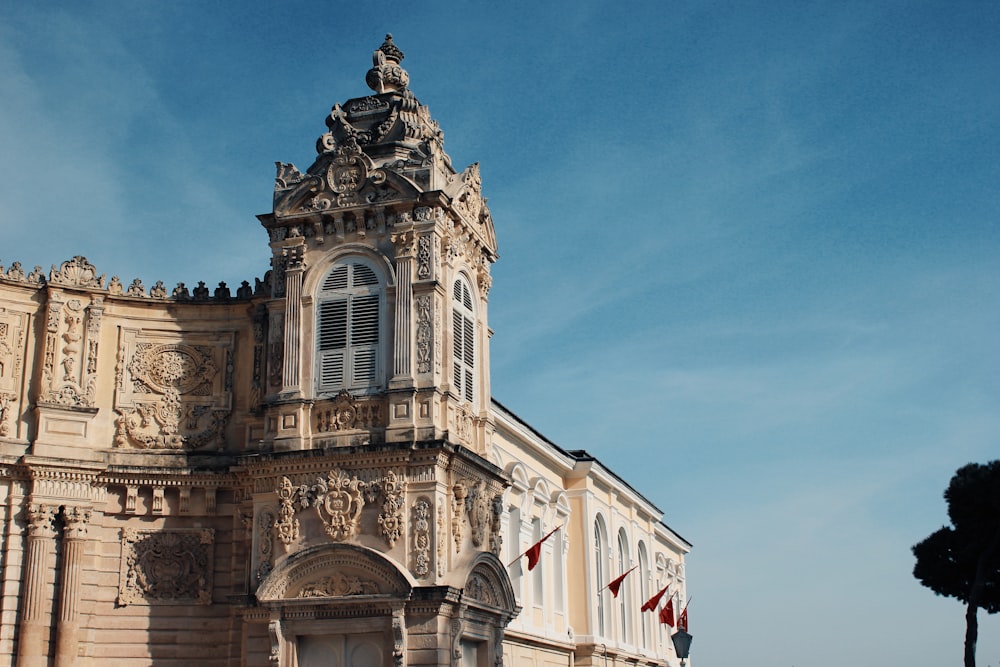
750,252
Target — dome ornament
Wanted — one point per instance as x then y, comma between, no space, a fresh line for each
386,76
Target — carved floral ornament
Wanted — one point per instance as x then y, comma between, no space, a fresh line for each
338,501
172,394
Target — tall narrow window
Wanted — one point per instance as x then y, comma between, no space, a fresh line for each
349,329
624,599
600,558
464,340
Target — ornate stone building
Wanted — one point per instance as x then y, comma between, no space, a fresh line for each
310,471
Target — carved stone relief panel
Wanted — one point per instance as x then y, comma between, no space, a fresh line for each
338,501
69,366
174,389
425,333
13,326
422,537
166,567
345,413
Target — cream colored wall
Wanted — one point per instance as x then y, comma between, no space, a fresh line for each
560,490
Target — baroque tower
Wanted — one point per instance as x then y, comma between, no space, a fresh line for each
381,255
376,399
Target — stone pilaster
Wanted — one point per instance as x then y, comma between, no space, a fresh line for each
32,643
74,546
293,318
401,369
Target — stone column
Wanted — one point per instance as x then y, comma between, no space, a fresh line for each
34,626
293,317
74,545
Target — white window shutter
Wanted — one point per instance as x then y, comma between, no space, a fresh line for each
349,329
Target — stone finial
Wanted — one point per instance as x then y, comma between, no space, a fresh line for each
386,76
390,50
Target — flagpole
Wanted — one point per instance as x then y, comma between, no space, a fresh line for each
551,532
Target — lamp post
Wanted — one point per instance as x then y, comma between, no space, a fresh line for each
682,644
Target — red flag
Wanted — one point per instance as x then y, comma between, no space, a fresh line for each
651,603
615,585
667,613
534,552
682,622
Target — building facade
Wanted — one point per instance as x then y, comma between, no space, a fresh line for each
310,470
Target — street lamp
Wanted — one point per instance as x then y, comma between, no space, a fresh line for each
682,644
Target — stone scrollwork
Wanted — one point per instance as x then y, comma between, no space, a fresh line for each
166,567
287,525
422,537
338,500
77,272
174,390
391,518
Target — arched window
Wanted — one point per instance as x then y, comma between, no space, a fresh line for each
624,599
464,340
645,592
349,328
600,560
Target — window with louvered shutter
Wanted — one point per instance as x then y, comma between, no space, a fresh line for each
349,329
463,341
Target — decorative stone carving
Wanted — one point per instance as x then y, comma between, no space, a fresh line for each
287,525
71,329
77,272
12,332
422,537
347,413
259,320
477,505
462,422
76,521
496,539
479,589
386,75
174,390
424,257
425,333
136,289
339,585
166,567
338,501
41,520
460,491
391,518
265,543
276,352
440,541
